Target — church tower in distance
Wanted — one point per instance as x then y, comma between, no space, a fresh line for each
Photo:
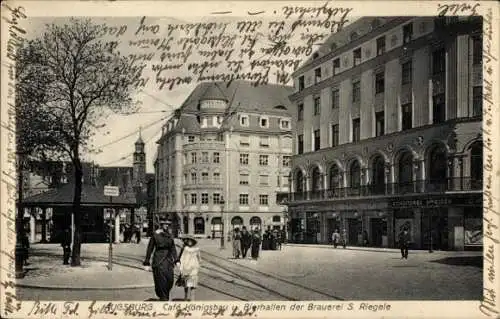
139,164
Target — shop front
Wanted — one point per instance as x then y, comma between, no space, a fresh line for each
440,223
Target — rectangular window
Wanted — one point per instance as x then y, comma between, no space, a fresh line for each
438,109
216,198
216,177
263,180
285,124
204,198
300,146
244,140
244,120
263,200
301,83
244,179
263,160
336,66
204,177
191,138
335,98
438,61
477,101
379,123
204,157
379,83
194,178
186,199
317,105
317,140
406,72
216,157
185,178
356,56
193,158
243,199
264,141
356,91
406,116
477,50
356,130
243,159
381,45
335,135
194,199
317,75
286,161
264,122
185,158
300,112
407,33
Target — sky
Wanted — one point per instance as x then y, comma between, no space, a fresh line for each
118,137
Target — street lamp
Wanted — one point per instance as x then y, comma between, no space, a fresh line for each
222,202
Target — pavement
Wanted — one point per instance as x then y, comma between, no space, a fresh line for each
297,272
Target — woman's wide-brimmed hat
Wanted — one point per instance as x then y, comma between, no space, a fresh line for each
187,238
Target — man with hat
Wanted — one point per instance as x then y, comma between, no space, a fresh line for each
404,243
164,258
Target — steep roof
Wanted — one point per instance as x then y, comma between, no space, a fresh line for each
91,196
262,98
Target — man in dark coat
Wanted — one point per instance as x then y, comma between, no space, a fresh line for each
256,241
246,241
404,243
164,257
66,245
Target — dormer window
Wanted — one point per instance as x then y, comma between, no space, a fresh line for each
356,54
301,83
336,66
315,55
264,122
333,46
191,138
244,120
284,124
407,33
354,36
317,75
381,45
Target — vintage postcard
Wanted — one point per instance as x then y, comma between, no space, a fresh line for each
252,159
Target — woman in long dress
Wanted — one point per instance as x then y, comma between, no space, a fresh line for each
236,243
256,241
189,266
164,257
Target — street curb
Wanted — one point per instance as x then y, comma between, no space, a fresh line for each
382,250
46,287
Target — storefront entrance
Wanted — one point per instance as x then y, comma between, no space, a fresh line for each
332,224
312,228
354,230
378,229
435,224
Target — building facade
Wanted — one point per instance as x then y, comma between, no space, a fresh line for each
223,157
388,115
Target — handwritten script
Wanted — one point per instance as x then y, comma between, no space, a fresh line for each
257,48
489,304
13,16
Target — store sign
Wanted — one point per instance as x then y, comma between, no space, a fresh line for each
436,202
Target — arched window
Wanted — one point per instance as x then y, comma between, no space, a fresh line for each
216,226
237,221
255,223
316,179
299,182
405,172
378,175
437,169
334,177
199,225
355,175
476,165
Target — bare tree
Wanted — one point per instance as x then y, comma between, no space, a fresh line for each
78,80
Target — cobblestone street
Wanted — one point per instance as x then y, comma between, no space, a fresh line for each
296,273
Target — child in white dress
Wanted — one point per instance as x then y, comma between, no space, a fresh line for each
189,266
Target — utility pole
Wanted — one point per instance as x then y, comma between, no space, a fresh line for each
222,202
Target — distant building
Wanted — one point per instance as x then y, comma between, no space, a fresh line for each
388,116
223,157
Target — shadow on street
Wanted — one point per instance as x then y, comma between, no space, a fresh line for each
475,261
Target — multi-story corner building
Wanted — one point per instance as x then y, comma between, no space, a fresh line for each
388,117
223,157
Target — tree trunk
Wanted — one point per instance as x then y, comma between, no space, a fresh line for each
75,251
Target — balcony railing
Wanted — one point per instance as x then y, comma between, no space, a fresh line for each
425,186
